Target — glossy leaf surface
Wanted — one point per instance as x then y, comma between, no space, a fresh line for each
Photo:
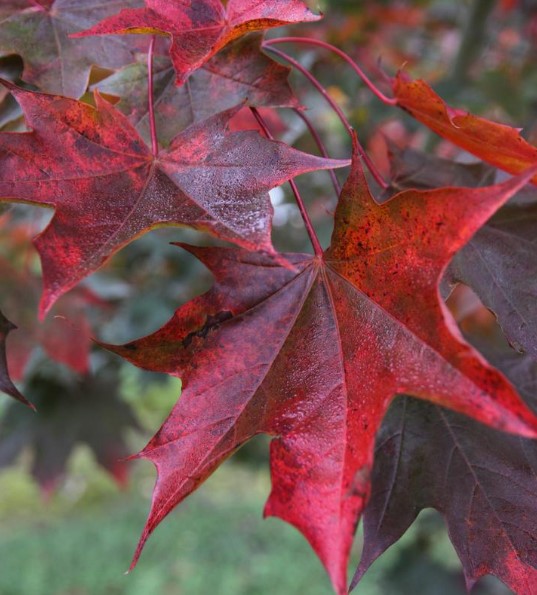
482,481
499,263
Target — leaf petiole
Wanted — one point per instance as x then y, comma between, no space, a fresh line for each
320,144
317,248
327,46
367,160
151,99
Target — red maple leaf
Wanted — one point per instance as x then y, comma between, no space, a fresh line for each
497,144
314,357
93,167
198,30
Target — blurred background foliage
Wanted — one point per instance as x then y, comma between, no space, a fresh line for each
70,511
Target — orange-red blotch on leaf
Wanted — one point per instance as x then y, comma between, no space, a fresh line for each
91,165
497,144
198,30
341,335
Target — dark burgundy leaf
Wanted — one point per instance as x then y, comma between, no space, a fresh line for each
52,60
482,481
500,265
415,169
6,384
239,73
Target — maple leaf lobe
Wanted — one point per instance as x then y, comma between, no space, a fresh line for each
497,144
430,457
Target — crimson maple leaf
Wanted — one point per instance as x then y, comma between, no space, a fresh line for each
6,384
497,144
39,32
198,30
314,357
93,167
241,72
482,481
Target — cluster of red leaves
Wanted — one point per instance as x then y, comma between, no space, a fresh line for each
310,349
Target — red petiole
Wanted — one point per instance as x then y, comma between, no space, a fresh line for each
367,160
151,101
320,144
317,248
327,46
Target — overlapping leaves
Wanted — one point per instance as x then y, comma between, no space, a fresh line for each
310,350
481,480
499,262
239,73
200,29
93,167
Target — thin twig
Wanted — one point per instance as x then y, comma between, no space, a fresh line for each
320,144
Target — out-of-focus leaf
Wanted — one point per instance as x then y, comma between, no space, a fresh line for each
39,33
69,413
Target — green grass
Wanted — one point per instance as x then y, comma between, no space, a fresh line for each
81,543
81,540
